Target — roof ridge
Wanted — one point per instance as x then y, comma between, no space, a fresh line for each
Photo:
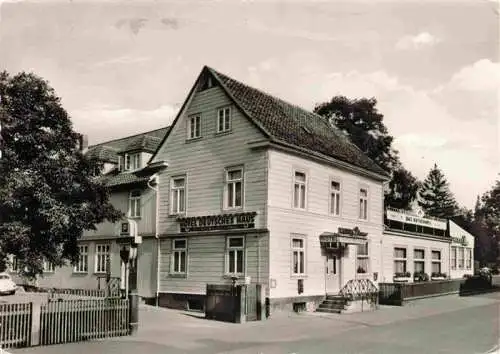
128,137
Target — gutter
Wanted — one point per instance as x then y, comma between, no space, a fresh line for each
156,189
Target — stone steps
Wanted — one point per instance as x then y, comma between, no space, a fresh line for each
333,304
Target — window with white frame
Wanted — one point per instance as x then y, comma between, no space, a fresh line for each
134,208
235,255
460,258
83,259
298,256
102,258
454,257
129,162
399,260
178,197
48,267
436,261
224,119
468,258
362,259
234,188
299,190
179,254
335,198
419,260
194,127
363,203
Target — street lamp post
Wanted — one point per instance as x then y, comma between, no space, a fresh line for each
128,255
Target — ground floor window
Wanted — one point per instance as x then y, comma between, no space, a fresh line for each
454,258
298,256
362,259
48,267
436,262
179,256
460,258
468,258
83,259
235,255
400,261
419,260
102,258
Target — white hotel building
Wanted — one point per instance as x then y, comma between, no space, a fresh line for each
257,189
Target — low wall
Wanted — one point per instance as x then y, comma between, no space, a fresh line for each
400,293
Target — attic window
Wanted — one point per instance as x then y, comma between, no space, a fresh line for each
208,82
306,129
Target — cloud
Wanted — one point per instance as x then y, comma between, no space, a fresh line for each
419,41
134,24
105,123
172,23
122,60
473,92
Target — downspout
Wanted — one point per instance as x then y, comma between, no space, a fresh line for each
156,189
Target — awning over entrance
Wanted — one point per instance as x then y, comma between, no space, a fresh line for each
343,236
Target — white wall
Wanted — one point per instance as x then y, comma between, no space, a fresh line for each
283,221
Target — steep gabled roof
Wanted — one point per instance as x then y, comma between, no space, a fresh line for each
108,151
288,123
285,123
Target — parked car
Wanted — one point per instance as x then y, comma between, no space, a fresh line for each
7,285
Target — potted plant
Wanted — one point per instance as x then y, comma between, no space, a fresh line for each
402,277
438,276
361,270
420,276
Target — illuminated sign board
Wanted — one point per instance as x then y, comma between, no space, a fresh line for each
415,220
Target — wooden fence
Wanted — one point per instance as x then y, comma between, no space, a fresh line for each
63,321
399,293
77,320
15,325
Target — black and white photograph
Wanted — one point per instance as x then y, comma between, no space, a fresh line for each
250,176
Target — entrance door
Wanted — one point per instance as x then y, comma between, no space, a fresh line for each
332,273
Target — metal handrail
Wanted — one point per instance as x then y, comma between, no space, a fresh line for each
359,289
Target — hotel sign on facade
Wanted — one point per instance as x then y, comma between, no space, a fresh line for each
415,220
217,222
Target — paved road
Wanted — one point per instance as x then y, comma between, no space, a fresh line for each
448,324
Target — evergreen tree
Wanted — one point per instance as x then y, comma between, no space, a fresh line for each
435,197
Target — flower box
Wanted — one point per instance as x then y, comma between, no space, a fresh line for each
402,277
439,276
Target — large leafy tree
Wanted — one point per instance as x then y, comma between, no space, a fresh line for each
361,121
48,191
435,197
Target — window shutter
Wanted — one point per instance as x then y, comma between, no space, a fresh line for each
120,163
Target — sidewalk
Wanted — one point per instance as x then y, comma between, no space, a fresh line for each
164,330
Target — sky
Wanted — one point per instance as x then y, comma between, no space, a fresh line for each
123,66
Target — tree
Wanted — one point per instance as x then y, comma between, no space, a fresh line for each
402,189
49,193
435,197
487,220
360,120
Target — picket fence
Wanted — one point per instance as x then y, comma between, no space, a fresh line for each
64,321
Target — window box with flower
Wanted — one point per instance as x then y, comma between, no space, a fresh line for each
402,277
438,276
420,277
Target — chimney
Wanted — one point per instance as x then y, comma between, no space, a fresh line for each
83,141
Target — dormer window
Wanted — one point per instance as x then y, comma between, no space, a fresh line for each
129,162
